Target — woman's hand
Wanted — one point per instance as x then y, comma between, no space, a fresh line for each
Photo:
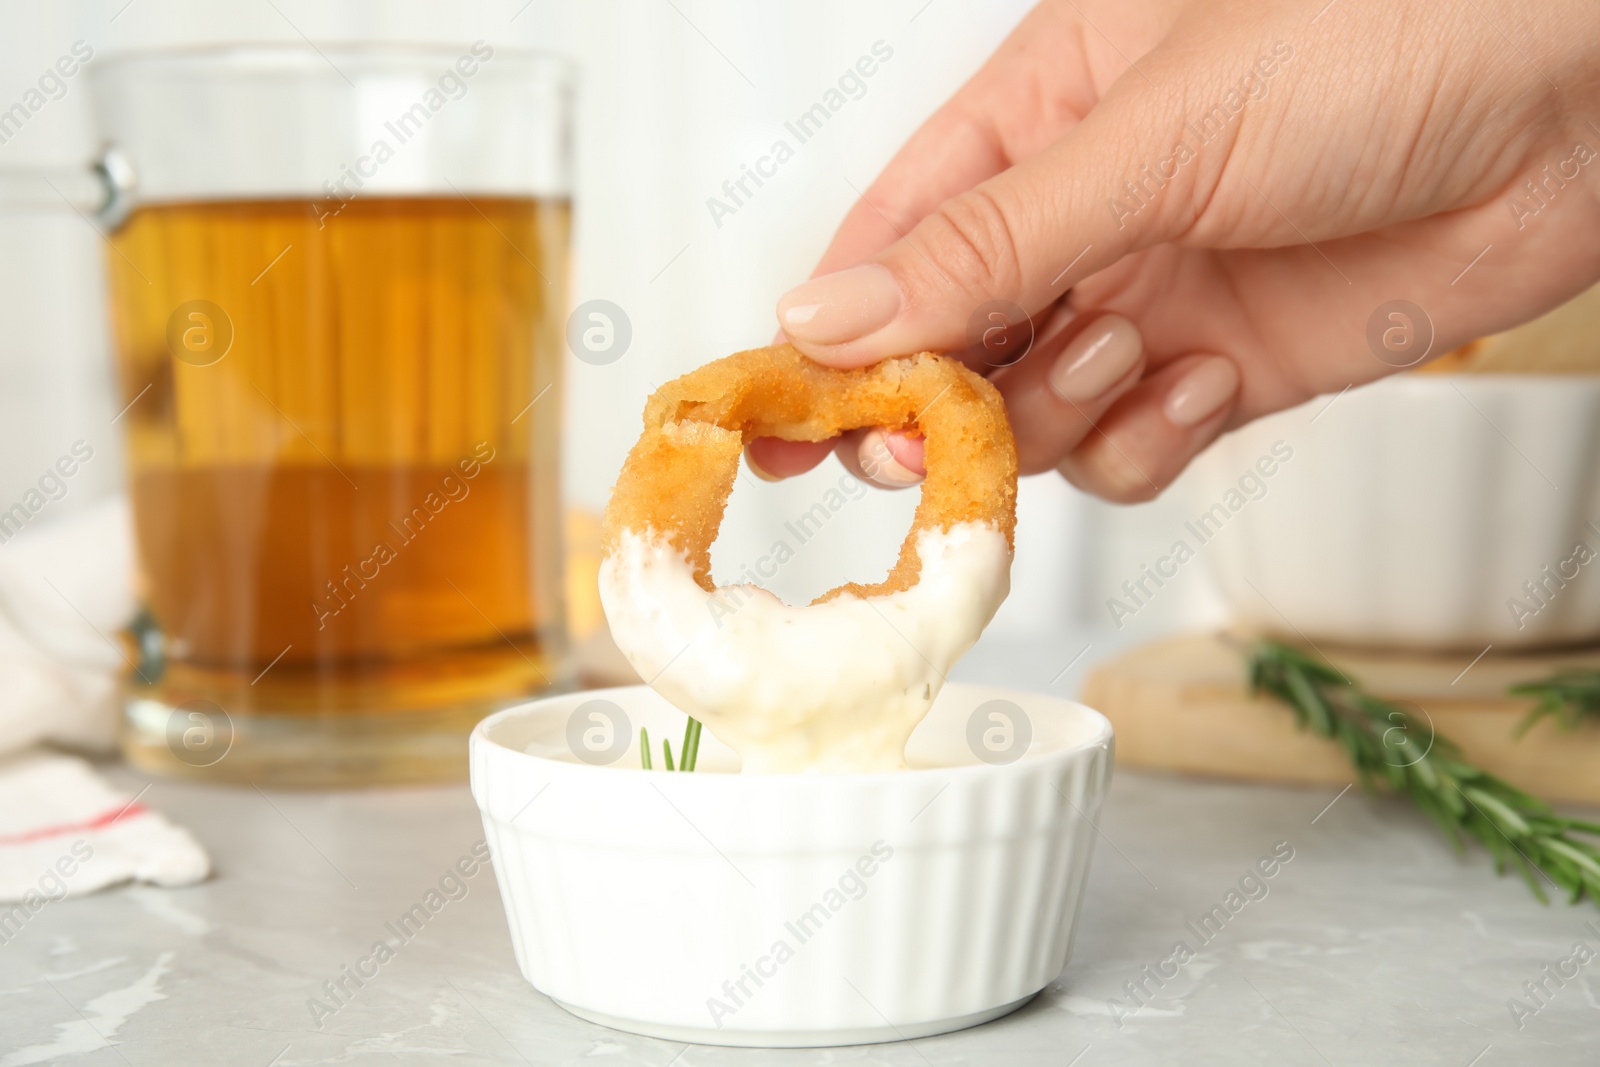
1200,206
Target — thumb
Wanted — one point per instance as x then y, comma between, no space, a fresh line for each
1014,244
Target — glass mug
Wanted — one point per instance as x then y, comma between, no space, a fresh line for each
337,293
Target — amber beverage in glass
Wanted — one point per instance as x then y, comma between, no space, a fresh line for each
343,408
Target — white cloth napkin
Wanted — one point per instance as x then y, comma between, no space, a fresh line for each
64,831
66,589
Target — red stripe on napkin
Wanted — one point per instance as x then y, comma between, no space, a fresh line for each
99,822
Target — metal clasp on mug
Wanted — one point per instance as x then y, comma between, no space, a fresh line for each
102,192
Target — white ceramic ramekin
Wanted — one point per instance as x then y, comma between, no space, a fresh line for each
792,910
1424,511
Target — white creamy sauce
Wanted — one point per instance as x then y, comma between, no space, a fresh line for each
837,686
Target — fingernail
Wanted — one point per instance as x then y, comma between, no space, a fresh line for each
1057,321
840,307
757,469
1202,392
879,462
1096,359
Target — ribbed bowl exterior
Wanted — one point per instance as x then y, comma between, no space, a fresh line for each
1416,511
643,898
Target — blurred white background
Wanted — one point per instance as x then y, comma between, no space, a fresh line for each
675,96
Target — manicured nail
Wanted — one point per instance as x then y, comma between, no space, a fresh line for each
1205,390
757,469
1096,359
880,462
840,307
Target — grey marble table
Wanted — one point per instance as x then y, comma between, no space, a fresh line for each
1375,944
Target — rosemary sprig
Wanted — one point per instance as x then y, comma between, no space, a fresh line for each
1570,696
1387,744
688,752
691,745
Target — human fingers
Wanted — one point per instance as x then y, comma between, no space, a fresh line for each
1020,238
1074,372
1037,85
773,459
1151,433
885,458
1071,378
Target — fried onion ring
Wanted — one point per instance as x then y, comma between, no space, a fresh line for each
821,687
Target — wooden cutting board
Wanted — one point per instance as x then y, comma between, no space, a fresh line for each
1182,704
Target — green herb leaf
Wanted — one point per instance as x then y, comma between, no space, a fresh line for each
691,745
1385,742
1568,696
688,754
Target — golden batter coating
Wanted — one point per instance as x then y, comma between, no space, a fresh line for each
677,479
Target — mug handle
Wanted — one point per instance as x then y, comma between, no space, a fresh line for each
102,192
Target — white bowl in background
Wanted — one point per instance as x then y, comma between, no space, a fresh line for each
1414,511
910,903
